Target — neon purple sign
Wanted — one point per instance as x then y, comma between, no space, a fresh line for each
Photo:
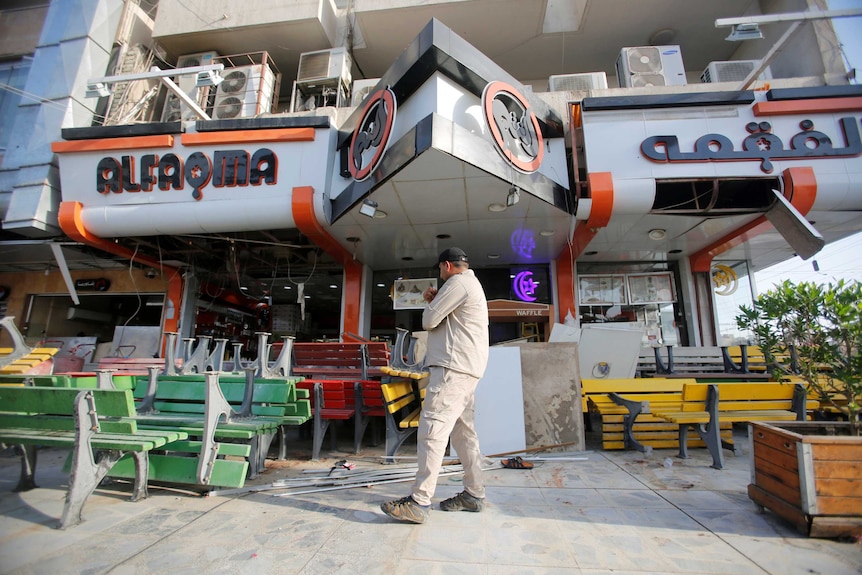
524,286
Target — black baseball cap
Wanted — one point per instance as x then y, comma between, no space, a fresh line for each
452,255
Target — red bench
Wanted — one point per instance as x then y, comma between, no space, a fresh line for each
331,400
369,403
340,360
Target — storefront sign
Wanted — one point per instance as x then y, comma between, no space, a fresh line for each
227,168
97,284
513,126
524,286
761,145
371,134
724,279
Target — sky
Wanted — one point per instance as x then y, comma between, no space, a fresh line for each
841,259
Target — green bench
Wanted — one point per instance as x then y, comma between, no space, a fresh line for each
231,421
98,425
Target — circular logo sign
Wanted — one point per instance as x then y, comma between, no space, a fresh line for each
514,127
525,286
724,279
371,134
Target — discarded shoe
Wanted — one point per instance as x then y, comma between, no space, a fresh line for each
516,463
463,502
406,509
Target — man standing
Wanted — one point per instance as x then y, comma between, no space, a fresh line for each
456,319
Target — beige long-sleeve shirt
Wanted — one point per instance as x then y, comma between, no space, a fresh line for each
457,326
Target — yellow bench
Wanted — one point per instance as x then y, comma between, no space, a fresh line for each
402,405
27,362
707,406
624,406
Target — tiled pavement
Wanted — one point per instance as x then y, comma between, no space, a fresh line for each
594,512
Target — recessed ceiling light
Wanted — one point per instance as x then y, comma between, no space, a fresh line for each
496,208
243,288
546,233
380,214
352,239
407,258
443,236
333,286
287,287
493,256
381,285
674,251
590,253
657,234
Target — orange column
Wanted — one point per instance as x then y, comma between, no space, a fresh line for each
306,222
601,185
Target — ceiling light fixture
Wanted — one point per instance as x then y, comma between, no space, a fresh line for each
657,234
496,207
368,208
546,233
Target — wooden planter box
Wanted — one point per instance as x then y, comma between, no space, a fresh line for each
810,474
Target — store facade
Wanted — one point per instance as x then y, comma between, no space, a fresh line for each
634,209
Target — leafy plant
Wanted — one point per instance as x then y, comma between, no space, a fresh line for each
813,332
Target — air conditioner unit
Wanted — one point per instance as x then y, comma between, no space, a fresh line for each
324,65
578,82
175,110
360,89
245,92
732,71
644,66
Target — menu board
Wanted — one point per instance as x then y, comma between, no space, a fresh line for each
602,289
407,294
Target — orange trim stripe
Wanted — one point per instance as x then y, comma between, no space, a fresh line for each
235,137
602,195
104,144
808,106
72,225
800,186
306,222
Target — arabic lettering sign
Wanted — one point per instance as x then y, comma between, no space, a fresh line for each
760,145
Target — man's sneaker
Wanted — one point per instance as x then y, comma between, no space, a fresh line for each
406,509
463,502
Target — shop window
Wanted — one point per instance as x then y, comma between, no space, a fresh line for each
641,296
731,288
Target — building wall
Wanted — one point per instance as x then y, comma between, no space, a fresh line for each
72,48
20,29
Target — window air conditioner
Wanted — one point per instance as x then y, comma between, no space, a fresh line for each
644,66
360,89
245,92
174,110
324,65
732,71
578,82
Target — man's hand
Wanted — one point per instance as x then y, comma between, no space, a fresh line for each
429,294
